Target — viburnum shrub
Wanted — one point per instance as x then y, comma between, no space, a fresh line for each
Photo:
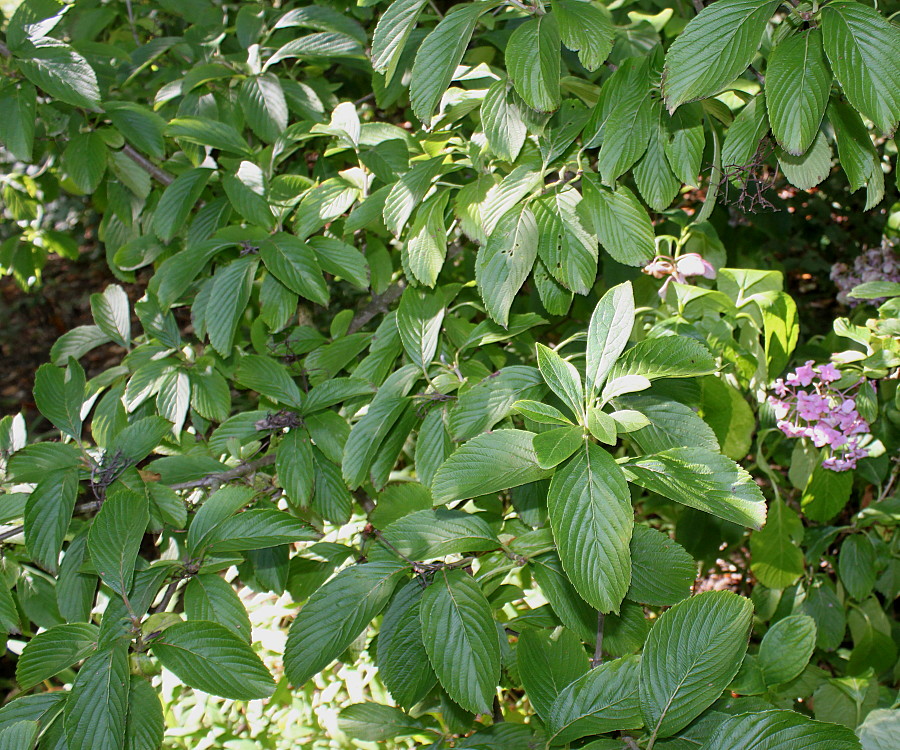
395,357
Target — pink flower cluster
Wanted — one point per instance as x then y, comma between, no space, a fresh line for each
877,264
669,268
808,405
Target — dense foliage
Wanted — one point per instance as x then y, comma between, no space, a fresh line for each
396,360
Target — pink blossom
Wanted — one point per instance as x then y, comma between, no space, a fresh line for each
829,373
693,264
803,376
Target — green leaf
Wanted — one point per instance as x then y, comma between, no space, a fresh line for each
50,652
205,131
408,192
592,519
84,160
856,565
374,722
48,512
744,135
503,121
96,708
177,201
666,357
684,151
715,47
335,616
294,467
655,180
294,264
798,82
402,661
532,59
567,249
863,48
880,730
216,508
691,655
602,700
59,394
419,317
585,29
257,529
112,314
144,725
17,127
136,441
505,261
488,463
210,597
563,379
856,153
554,446
60,71
212,658
786,648
779,730
672,425
703,480
541,413
19,735
426,243
262,100
486,403
626,133
461,639
392,33
826,493
662,572
228,300
619,220
140,126
808,170
115,537
546,666
429,534
608,332
268,377
876,290
438,56
777,557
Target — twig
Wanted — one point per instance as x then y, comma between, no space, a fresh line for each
80,508
497,713
131,21
214,480
160,175
11,533
167,596
380,304
598,648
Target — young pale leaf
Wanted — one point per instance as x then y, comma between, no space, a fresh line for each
863,48
608,332
601,425
505,261
335,616
619,221
592,519
780,730
212,658
488,463
391,34
662,572
552,447
54,650
115,537
691,655
541,413
503,122
532,58
797,85
602,700
401,657
585,29
95,712
703,480
419,318
144,724
439,55
547,666
563,379
715,48
786,649
461,639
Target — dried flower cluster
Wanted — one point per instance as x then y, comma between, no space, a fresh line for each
878,264
808,404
